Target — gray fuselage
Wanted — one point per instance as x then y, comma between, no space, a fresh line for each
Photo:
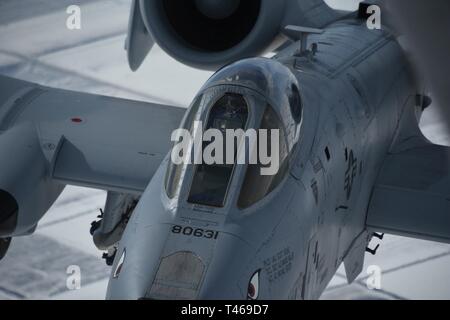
354,90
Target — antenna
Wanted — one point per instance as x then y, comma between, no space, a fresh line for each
298,33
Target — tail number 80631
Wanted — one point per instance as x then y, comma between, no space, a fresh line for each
195,232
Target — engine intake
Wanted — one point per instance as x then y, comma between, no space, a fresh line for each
208,34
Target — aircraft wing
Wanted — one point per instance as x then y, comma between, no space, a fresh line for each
412,195
88,140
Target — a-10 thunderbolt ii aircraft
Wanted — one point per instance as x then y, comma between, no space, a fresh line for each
353,161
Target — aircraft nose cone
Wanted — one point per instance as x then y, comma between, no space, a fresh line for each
160,265
178,277
202,270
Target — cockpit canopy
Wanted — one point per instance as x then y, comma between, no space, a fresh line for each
272,80
251,94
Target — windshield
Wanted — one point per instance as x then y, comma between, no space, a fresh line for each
174,171
211,181
256,185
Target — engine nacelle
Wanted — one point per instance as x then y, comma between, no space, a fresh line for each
25,191
208,34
